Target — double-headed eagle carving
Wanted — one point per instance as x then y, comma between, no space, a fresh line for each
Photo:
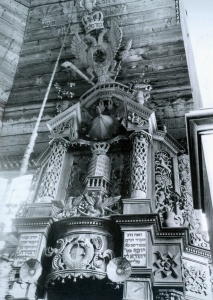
98,54
85,205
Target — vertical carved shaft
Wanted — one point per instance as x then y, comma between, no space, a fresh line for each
139,164
100,162
99,169
51,177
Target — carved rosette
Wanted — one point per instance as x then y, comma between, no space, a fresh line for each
139,164
51,177
167,264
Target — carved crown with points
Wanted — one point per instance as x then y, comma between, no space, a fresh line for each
93,21
100,148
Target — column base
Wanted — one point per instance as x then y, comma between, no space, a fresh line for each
138,194
134,206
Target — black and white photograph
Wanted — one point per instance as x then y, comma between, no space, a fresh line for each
106,149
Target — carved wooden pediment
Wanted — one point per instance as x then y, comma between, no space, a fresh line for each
66,124
118,101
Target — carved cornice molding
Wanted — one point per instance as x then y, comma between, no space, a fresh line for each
168,140
33,224
108,88
158,231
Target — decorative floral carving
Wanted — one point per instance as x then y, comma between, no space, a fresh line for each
94,205
64,93
136,119
166,264
190,218
163,179
167,294
211,274
169,204
80,253
195,280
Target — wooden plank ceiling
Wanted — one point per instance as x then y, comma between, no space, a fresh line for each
157,47
13,17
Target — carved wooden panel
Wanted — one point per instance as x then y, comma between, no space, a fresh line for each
120,176
78,175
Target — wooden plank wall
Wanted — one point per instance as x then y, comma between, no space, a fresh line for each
157,45
13,18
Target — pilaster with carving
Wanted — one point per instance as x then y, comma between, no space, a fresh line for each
139,164
50,180
191,217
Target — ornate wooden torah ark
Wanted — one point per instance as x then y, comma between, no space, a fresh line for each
112,186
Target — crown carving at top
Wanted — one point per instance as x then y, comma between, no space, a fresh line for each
93,21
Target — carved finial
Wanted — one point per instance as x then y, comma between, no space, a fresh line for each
88,4
93,21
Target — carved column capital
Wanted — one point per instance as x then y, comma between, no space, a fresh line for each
141,136
60,142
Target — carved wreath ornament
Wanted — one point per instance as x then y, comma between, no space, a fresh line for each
80,253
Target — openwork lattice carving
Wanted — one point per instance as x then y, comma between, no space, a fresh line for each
50,180
139,164
163,181
195,280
